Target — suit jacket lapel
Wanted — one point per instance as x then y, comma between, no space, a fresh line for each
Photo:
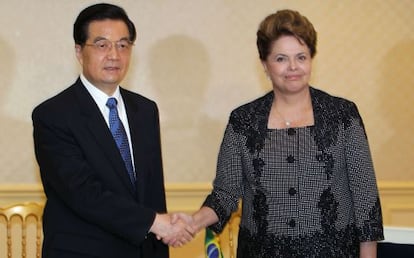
136,123
100,132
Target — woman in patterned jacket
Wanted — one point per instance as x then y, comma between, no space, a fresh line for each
299,160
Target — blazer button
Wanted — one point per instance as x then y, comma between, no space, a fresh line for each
292,223
290,159
292,191
291,131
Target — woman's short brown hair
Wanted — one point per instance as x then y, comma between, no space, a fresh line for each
282,23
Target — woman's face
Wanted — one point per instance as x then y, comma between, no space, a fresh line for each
288,65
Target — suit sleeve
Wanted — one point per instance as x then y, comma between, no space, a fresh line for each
157,182
362,180
67,176
154,190
227,185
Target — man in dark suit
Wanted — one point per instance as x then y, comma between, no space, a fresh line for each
98,148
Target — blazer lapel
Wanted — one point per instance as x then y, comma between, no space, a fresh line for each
100,132
136,124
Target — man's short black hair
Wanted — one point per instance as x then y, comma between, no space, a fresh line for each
99,12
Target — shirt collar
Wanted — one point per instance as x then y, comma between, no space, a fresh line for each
98,95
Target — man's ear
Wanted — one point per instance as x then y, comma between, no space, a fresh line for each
79,54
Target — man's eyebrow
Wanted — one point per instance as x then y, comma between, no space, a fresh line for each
98,39
103,38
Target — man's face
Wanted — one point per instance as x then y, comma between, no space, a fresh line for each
106,54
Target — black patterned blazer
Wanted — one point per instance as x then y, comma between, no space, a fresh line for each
307,191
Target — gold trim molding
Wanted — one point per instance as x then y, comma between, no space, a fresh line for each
397,198
397,203
180,196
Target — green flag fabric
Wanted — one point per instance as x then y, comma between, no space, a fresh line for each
212,245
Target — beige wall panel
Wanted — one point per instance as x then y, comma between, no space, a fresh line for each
198,60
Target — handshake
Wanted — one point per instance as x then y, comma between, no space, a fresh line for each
175,229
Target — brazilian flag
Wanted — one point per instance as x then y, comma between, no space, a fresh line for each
212,245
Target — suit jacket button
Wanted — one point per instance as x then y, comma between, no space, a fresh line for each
292,223
292,191
290,159
291,131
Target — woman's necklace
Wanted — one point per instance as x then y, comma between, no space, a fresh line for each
287,122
